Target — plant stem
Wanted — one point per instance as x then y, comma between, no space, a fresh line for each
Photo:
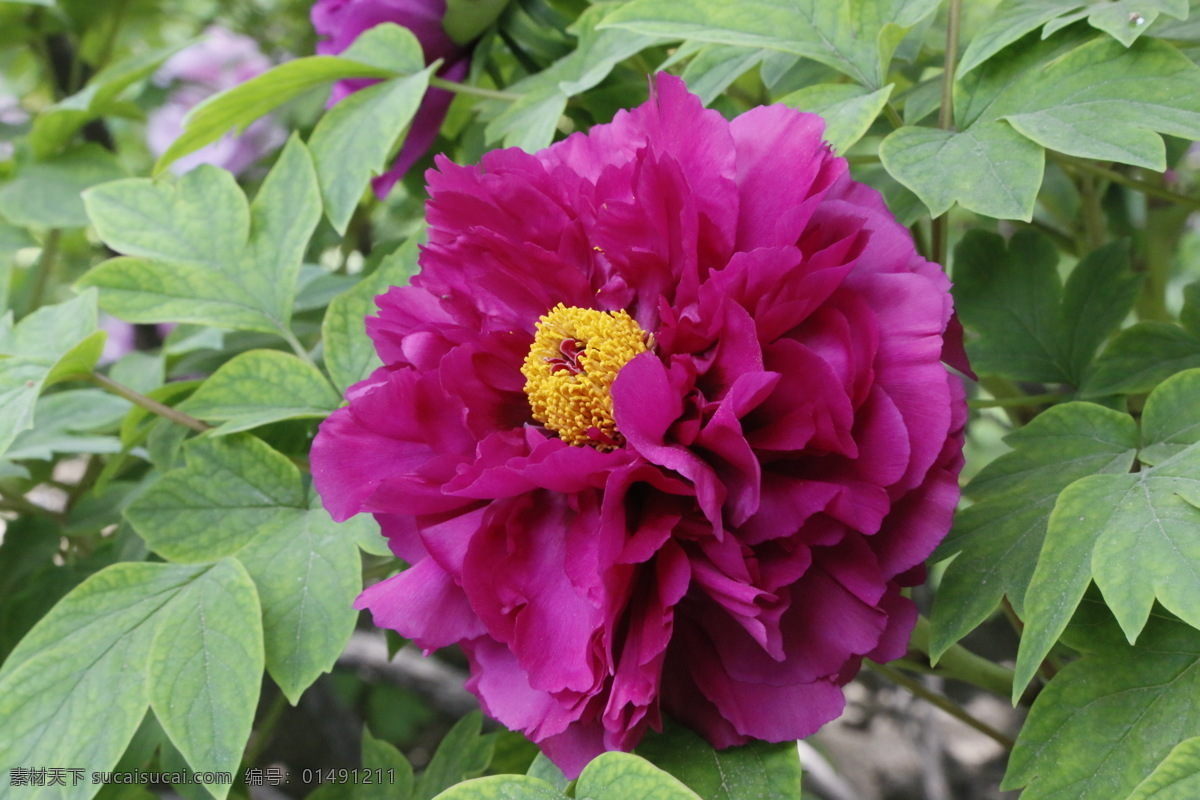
960,664
939,235
295,344
942,702
477,91
148,403
1137,184
45,268
262,736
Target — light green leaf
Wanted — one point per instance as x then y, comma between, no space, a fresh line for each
47,193
529,123
236,108
1133,534
462,754
848,110
1105,721
236,496
503,787
50,343
544,769
996,540
988,168
355,139
1177,777
1107,102
1010,21
200,253
205,668
378,754
760,769
77,686
1126,20
56,124
261,386
64,422
715,67
349,352
615,776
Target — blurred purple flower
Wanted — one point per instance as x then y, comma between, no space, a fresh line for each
340,22
123,339
663,426
221,61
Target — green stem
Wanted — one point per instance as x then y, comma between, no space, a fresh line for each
939,233
961,664
148,403
262,736
1137,184
942,702
45,268
295,344
476,91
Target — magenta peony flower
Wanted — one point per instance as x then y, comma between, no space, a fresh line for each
662,427
342,21
220,61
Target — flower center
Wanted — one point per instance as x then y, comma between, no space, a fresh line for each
576,355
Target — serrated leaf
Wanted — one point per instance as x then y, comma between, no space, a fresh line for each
47,193
1030,327
236,496
349,352
848,110
851,37
760,769
205,669
77,686
461,755
236,108
988,168
997,540
199,252
1176,778
1105,721
32,352
258,387
354,140
1133,534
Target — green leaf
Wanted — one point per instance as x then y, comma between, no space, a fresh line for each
355,139
236,496
855,38
503,787
378,754
47,193
988,168
848,110
1176,778
462,754
261,386
465,20
236,108
714,67
56,124
1030,327
1140,357
1133,534
205,667
530,122
1105,721
1010,21
349,352
48,345
614,776
64,422
200,253
1126,20
544,769
76,688
1104,101
996,540
760,769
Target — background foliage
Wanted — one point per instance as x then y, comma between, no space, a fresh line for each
169,584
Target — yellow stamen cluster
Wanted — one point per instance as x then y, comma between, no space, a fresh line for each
569,384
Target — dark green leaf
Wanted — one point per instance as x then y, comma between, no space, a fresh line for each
615,776
1140,357
1010,21
760,769
462,754
1176,778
